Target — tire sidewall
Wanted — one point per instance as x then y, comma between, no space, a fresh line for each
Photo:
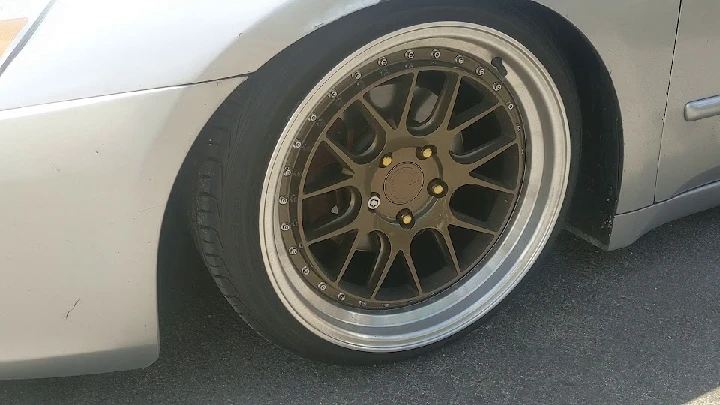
269,98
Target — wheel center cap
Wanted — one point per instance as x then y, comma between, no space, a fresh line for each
403,183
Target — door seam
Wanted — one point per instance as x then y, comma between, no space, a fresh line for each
667,101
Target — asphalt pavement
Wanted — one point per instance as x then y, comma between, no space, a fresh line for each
636,326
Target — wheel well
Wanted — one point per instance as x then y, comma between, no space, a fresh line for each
596,194
595,197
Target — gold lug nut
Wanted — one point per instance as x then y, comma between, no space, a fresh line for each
437,188
405,218
386,161
426,152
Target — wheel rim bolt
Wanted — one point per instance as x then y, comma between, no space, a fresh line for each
386,161
374,201
405,218
437,188
426,152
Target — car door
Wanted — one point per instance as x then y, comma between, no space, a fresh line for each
690,152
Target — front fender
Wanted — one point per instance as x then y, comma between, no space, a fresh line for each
88,48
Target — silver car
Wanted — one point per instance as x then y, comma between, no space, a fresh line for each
365,180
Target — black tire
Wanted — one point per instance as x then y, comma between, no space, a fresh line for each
233,151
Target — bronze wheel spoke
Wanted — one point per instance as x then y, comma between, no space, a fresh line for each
476,181
464,221
448,247
413,270
448,96
376,120
440,116
336,227
462,121
340,153
406,96
487,152
327,187
381,267
348,258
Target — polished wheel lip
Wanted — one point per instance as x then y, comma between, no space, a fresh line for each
546,178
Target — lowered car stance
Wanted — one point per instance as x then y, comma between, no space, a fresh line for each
365,180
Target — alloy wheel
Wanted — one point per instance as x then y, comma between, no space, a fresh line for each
403,178
414,186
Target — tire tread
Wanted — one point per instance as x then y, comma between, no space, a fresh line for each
238,118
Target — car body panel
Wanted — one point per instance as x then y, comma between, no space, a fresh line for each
691,149
87,48
627,228
117,46
635,40
85,184
101,107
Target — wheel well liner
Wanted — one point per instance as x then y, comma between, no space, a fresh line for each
596,195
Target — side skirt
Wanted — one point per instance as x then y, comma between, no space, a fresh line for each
629,227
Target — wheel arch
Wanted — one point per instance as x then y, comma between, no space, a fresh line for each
597,195
597,191
595,199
